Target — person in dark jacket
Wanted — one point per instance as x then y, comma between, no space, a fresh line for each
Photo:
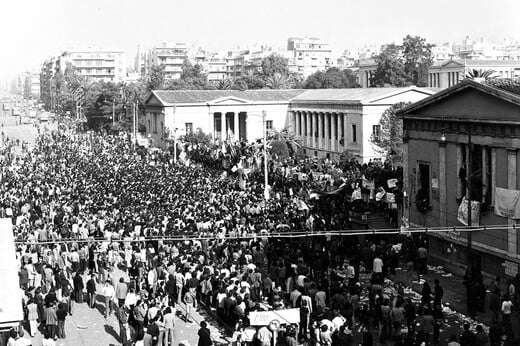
78,287
91,291
204,335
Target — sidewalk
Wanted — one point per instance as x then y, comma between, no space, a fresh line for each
454,292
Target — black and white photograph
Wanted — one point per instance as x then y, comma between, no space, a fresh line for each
260,173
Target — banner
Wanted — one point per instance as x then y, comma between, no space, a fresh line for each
264,318
507,203
462,214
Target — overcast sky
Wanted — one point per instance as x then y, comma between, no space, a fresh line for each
33,30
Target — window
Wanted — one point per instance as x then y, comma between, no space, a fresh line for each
354,133
376,131
268,124
422,198
99,63
189,128
154,122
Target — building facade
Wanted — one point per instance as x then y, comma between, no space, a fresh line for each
328,121
169,55
98,64
332,121
366,69
224,114
444,74
468,130
309,55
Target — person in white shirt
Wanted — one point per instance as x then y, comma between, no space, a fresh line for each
377,265
108,293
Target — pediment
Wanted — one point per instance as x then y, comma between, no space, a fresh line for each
153,100
230,100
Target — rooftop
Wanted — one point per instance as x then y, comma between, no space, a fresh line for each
203,96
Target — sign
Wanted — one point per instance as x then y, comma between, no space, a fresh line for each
264,318
462,214
511,268
507,203
435,183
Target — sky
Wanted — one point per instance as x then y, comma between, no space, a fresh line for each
34,30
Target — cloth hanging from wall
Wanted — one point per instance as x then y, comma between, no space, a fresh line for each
462,214
507,203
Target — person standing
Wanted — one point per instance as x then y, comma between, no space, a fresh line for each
121,291
61,314
422,257
481,338
78,287
122,316
169,324
91,291
51,319
32,315
507,308
204,335
108,294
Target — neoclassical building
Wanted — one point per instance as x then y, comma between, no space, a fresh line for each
329,121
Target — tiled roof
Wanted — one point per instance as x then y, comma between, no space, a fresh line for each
479,63
505,84
203,96
352,95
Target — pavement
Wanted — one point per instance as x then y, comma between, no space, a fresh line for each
88,326
454,301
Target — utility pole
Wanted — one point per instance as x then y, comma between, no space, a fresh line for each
113,112
135,124
469,174
266,188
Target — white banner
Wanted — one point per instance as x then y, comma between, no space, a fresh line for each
507,203
264,318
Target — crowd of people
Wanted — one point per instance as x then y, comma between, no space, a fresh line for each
86,207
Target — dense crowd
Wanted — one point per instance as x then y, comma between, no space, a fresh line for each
190,237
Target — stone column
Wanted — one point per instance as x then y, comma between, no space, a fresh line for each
222,125
512,236
333,129
443,203
327,131
236,128
314,130
211,127
493,174
320,130
298,123
309,129
345,131
292,122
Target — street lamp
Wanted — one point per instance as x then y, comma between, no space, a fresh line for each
469,175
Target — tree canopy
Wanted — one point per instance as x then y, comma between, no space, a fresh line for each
389,140
405,64
333,78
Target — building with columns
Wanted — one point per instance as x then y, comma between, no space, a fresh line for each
469,126
223,114
331,121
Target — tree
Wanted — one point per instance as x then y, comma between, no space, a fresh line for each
156,78
389,141
332,78
249,81
279,81
405,64
390,68
273,64
480,75
418,59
